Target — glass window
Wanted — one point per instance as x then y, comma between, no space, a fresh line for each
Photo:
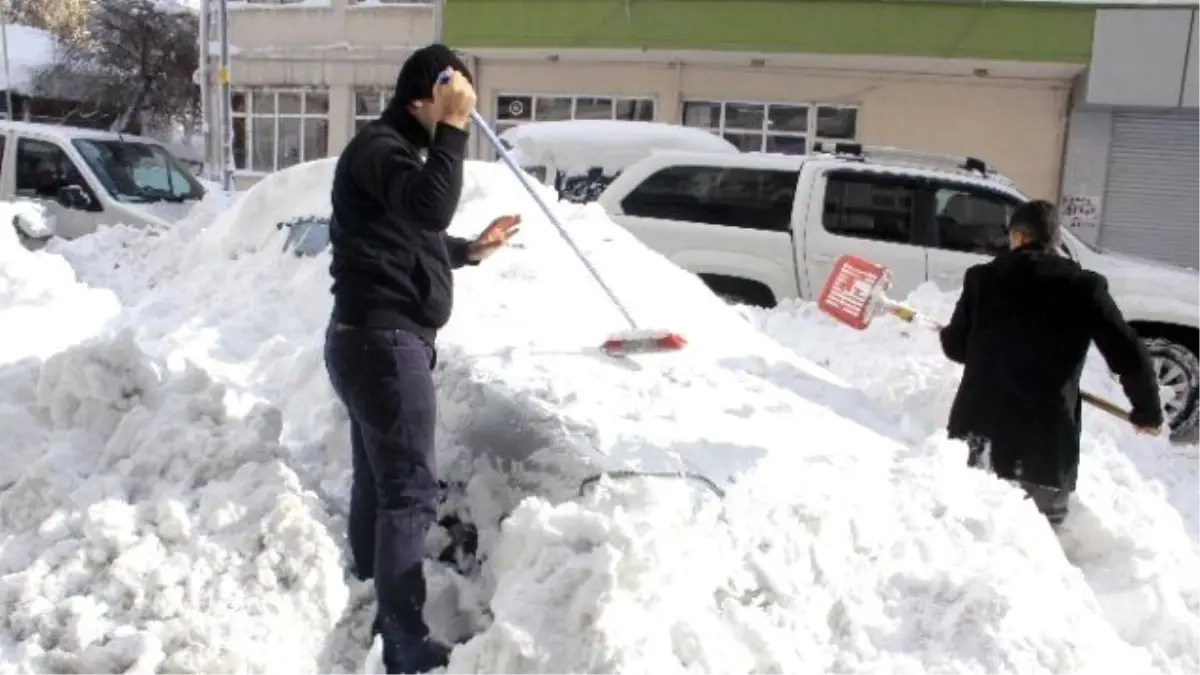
745,116
870,206
369,103
43,168
971,220
792,118
262,147
837,123
512,109
635,110
552,108
588,108
772,127
787,145
281,128
703,114
139,172
746,198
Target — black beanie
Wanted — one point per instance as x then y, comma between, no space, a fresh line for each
420,71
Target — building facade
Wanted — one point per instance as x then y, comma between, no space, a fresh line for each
994,80
1131,171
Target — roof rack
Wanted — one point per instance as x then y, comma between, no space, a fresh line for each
883,153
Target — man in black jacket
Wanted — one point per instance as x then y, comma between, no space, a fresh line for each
1022,329
392,289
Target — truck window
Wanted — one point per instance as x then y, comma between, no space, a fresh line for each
871,206
970,219
758,199
43,168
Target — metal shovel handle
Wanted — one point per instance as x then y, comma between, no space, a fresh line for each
521,176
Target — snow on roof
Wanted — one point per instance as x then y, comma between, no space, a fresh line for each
609,144
29,50
174,494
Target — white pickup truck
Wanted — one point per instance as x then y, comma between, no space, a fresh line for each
762,227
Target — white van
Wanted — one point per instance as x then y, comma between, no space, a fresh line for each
88,177
761,227
579,158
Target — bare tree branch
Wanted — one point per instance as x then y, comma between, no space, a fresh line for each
136,58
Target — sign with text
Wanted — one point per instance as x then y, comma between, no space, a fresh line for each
1080,212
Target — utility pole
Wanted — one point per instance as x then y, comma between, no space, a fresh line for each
205,105
9,113
226,104
439,11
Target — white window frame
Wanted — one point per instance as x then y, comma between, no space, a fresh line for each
248,116
383,92
810,136
503,125
506,124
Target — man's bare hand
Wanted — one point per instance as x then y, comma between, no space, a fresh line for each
493,237
454,99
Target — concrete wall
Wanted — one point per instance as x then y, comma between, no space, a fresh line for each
1085,163
1143,57
1017,125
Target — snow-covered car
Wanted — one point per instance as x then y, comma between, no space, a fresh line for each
86,177
759,227
579,158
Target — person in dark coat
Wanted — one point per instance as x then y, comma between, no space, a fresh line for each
393,291
1022,328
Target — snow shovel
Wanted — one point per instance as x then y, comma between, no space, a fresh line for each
855,293
634,341
620,345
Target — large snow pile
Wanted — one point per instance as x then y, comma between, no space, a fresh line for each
180,502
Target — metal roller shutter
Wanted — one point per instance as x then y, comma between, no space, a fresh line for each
1150,206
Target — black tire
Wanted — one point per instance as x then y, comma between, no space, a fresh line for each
1178,372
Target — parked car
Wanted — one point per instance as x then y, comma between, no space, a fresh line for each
761,227
579,158
87,177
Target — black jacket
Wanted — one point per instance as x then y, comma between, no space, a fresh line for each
391,256
1022,329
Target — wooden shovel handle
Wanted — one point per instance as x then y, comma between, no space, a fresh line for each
1106,405
910,315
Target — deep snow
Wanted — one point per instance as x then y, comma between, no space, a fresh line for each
174,488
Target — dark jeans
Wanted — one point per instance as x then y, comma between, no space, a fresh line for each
384,377
1051,502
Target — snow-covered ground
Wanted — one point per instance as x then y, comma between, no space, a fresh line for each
173,486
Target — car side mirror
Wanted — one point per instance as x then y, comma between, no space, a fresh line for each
74,197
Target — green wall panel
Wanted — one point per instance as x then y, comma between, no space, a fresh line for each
992,30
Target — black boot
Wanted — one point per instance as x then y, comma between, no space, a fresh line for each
414,655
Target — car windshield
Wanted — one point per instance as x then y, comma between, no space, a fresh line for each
139,172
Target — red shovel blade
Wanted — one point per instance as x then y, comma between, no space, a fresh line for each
643,342
851,291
